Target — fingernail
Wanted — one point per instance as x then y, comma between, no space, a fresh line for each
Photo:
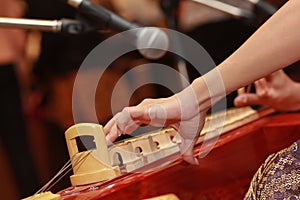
196,161
241,99
108,141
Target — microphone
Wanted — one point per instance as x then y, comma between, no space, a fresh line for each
264,6
153,38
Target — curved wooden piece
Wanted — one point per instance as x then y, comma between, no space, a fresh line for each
225,173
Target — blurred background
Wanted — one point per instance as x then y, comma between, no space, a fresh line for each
38,70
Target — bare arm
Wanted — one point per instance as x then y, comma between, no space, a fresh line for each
275,45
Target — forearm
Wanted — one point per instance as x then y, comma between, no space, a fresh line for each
273,46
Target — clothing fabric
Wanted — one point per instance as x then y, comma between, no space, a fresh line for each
278,177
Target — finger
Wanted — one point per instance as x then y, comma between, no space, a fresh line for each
248,100
111,131
123,118
124,122
157,115
275,75
187,151
107,128
139,113
121,123
270,77
112,135
261,86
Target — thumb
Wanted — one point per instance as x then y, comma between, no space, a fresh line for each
247,100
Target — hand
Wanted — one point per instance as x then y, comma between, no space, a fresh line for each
276,90
180,111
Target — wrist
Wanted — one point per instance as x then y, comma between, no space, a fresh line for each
201,92
209,89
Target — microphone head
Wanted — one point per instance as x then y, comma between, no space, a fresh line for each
74,3
152,42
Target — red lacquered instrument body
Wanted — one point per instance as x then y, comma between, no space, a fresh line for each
225,173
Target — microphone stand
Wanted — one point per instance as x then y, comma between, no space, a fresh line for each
170,8
261,7
227,8
67,26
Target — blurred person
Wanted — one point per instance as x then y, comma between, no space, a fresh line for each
13,128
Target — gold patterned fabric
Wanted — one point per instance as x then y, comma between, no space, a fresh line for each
278,177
